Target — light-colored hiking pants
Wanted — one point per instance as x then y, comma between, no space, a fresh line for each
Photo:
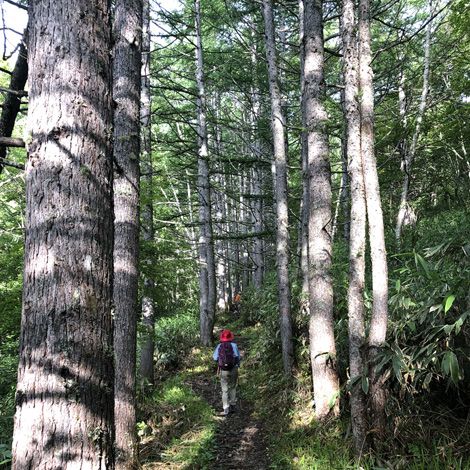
228,379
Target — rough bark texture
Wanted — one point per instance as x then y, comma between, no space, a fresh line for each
357,236
280,189
64,416
378,324
207,278
126,94
322,341
11,105
148,305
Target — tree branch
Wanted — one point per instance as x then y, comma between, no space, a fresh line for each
12,142
18,166
19,5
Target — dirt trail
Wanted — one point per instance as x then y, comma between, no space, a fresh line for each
239,439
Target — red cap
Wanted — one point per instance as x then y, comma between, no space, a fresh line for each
226,335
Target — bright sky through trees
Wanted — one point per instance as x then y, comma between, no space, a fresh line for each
13,24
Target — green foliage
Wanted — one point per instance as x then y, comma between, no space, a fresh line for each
8,371
174,336
262,309
428,343
179,427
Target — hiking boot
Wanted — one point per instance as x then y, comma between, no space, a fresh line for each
226,411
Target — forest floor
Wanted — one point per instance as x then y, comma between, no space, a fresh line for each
239,438
236,441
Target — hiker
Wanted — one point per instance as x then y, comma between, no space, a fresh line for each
237,304
228,358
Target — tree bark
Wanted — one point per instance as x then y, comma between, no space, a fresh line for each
281,190
207,277
357,235
127,35
64,417
379,318
322,341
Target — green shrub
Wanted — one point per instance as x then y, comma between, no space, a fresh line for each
428,342
173,337
8,372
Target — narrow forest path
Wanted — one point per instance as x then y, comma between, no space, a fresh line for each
240,437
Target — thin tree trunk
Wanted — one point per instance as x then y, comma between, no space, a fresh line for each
345,194
244,218
148,304
304,258
207,284
235,218
281,189
322,341
257,176
408,161
357,240
127,35
379,318
64,416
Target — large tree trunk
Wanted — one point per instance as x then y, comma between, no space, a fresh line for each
148,304
322,341
11,105
357,236
378,324
207,283
64,416
281,190
127,35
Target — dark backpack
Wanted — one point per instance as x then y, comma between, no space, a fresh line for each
226,357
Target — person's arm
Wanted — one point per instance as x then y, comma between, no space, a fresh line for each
216,353
236,353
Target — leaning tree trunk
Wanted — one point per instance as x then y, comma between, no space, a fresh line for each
281,189
357,235
378,324
64,416
207,283
322,340
126,93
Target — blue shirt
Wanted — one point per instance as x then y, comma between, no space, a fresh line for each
236,353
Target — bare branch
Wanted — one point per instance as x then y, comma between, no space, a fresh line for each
18,166
12,142
16,4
